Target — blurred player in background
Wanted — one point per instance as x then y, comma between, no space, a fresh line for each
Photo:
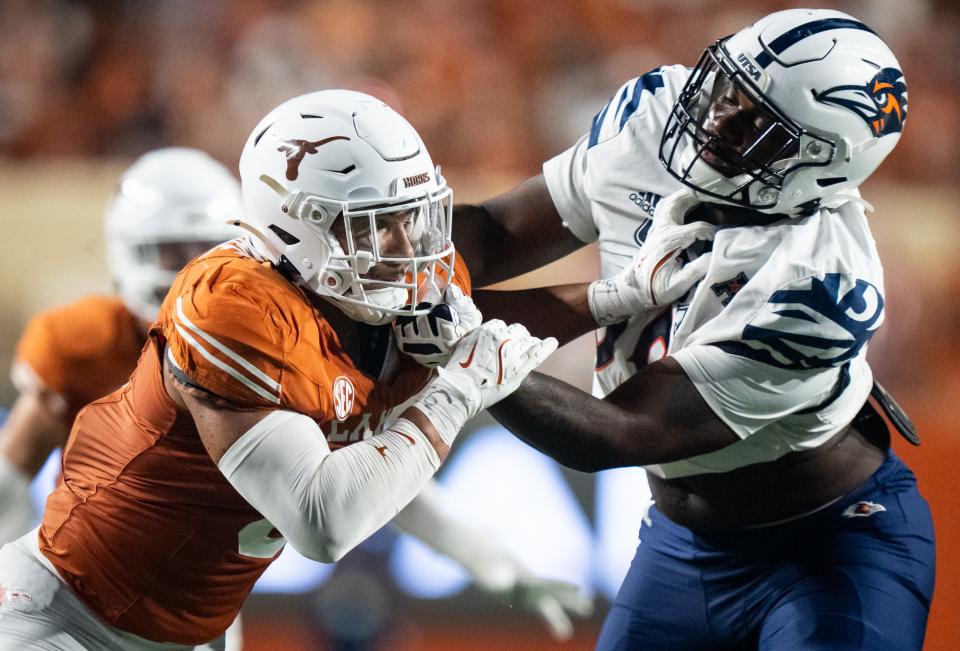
271,402
171,205
782,519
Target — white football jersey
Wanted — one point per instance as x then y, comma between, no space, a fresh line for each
774,337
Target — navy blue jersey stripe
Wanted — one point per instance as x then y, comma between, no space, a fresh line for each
601,116
623,97
650,82
801,32
597,123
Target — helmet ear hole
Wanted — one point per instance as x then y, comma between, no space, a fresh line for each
314,212
332,281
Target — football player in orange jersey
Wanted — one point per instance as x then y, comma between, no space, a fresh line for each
170,206
271,403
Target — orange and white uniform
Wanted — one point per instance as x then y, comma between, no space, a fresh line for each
79,352
145,528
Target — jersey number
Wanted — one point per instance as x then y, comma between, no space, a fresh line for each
260,539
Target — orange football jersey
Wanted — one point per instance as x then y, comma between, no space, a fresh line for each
81,351
144,526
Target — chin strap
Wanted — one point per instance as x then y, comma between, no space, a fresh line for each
388,297
840,198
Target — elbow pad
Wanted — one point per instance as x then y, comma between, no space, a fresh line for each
323,502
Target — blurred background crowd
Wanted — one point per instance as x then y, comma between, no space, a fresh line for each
495,87
490,84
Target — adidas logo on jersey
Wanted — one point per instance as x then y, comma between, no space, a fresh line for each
646,201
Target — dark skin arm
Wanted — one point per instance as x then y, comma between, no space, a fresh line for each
511,234
656,416
559,311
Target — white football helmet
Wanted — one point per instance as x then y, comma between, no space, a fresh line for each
321,174
787,114
171,205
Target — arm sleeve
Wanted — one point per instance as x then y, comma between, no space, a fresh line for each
433,519
748,394
564,175
325,503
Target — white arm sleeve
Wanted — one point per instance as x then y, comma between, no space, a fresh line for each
323,502
433,519
564,175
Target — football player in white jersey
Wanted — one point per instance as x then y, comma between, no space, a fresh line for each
740,287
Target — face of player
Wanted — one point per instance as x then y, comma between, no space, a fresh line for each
746,136
393,232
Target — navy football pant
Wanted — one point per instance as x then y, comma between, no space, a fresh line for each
850,576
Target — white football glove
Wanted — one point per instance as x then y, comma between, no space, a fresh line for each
486,366
553,600
657,276
430,338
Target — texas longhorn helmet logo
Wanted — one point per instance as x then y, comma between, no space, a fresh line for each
295,150
881,102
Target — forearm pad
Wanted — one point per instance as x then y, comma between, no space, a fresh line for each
325,503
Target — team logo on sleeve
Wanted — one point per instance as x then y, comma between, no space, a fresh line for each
812,323
881,102
343,396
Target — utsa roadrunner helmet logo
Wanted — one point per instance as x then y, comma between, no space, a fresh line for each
881,102
295,150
